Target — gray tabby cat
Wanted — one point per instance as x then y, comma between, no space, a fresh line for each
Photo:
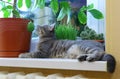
49,47
83,50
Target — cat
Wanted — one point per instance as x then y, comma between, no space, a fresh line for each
83,50
49,47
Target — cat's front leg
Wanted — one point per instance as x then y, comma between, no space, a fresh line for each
96,56
82,57
26,55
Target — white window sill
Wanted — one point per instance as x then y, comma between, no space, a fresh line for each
66,64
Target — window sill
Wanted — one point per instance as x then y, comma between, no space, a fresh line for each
66,64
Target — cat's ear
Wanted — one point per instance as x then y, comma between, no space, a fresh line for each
51,28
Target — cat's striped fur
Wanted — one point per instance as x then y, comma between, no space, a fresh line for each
49,47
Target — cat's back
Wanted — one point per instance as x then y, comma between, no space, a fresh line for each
90,43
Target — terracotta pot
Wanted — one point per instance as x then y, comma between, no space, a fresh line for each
14,37
101,41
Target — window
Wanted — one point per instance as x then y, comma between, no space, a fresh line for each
97,25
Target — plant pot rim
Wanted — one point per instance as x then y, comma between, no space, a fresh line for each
14,19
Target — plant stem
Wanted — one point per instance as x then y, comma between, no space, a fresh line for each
14,7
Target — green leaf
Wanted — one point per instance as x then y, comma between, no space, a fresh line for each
9,7
83,8
6,13
82,17
30,26
54,5
61,14
9,0
20,3
41,3
68,16
16,13
65,5
28,3
96,14
65,10
91,6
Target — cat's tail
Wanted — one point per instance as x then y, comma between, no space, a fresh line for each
111,62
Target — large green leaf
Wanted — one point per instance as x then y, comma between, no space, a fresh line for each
54,5
28,3
96,14
20,3
82,17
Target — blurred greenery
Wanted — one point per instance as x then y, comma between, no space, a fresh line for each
90,34
63,31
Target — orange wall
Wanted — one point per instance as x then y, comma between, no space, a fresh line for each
113,33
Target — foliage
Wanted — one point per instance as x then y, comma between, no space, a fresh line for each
89,34
63,31
9,9
82,17
60,9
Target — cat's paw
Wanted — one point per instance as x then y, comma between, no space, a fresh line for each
25,55
90,58
82,58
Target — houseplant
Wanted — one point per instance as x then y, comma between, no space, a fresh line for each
90,34
65,31
14,34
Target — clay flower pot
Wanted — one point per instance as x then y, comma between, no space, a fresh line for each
14,37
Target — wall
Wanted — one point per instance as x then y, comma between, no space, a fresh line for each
112,33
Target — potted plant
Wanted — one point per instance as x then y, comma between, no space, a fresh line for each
15,32
63,31
90,34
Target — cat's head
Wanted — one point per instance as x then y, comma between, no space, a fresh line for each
46,30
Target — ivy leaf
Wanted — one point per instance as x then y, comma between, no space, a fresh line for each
30,26
28,3
82,17
20,3
54,5
96,14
